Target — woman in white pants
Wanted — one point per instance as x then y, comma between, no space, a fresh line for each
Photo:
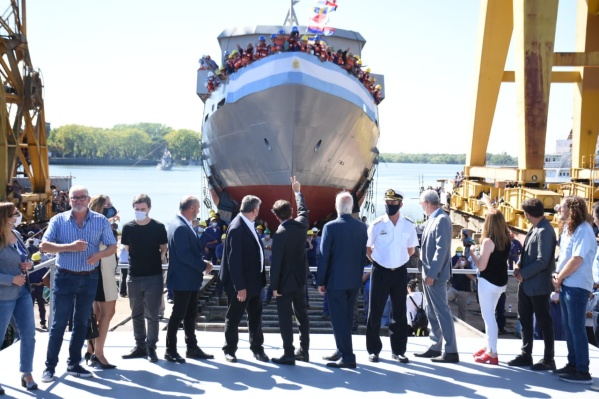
492,280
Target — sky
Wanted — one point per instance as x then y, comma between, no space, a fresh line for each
128,61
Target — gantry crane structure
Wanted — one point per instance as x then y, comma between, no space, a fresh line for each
533,25
23,149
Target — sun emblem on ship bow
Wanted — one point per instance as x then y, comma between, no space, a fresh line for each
295,64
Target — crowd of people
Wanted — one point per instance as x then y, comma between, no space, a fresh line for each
84,242
292,42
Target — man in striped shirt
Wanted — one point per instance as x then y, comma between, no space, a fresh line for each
75,236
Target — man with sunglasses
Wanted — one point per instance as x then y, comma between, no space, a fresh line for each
392,240
75,237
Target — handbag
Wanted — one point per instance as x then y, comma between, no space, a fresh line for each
92,330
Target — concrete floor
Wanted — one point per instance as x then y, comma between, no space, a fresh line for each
420,378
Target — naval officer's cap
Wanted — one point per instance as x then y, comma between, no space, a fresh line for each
392,195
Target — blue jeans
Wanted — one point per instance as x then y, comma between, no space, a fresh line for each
68,291
22,310
574,306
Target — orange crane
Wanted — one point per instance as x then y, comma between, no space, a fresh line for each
23,149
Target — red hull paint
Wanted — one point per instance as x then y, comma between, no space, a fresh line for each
319,200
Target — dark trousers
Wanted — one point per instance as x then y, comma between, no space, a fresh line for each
185,308
37,295
253,305
290,304
341,308
500,312
538,306
386,283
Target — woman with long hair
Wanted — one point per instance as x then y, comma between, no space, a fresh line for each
15,293
106,295
492,280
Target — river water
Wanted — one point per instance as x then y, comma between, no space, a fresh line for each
166,188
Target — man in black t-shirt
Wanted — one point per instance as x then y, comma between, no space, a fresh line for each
147,243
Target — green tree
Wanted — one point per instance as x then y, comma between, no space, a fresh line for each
184,144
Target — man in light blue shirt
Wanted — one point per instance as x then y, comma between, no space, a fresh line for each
75,237
574,279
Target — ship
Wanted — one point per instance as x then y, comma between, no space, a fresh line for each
288,114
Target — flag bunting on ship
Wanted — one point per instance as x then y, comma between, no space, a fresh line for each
319,21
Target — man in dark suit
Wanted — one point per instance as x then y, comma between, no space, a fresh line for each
184,278
288,273
340,269
436,271
533,271
243,276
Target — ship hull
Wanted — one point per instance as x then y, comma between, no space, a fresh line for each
290,116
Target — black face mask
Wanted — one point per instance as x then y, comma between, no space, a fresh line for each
109,212
391,209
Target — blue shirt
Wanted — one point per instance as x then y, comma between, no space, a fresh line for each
582,243
63,229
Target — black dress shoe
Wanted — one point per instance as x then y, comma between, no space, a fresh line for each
136,352
302,355
173,357
152,356
400,358
373,358
230,358
447,358
333,358
340,364
429,353
261,356
197,353
285,359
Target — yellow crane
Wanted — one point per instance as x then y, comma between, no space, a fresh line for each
532,24
23,149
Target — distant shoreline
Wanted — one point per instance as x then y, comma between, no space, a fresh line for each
502,159
102,162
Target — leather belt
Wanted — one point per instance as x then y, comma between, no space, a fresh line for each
391,269
86,273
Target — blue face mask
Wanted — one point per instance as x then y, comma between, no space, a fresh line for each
110,212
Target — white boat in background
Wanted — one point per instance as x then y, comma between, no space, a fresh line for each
558,164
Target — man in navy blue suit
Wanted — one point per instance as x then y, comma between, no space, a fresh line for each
243,275
184,277
340,269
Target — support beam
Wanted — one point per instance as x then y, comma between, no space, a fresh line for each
586,96
494,35
534,35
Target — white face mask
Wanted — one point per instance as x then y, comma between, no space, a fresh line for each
139,215
267,236
463,263
19,220
200,230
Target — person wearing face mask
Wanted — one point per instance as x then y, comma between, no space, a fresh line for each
107,293
15,297
212,236
460,283
146,242
392,240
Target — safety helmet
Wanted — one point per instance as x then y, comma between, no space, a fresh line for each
261,38
378,87
310,233
459,249
36,257
273,36
223,236
281,32
305,38
260,227
226,53
316,38
203,223
359,62
367,70
294,29
210,74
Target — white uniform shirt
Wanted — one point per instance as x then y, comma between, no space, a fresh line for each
390,242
